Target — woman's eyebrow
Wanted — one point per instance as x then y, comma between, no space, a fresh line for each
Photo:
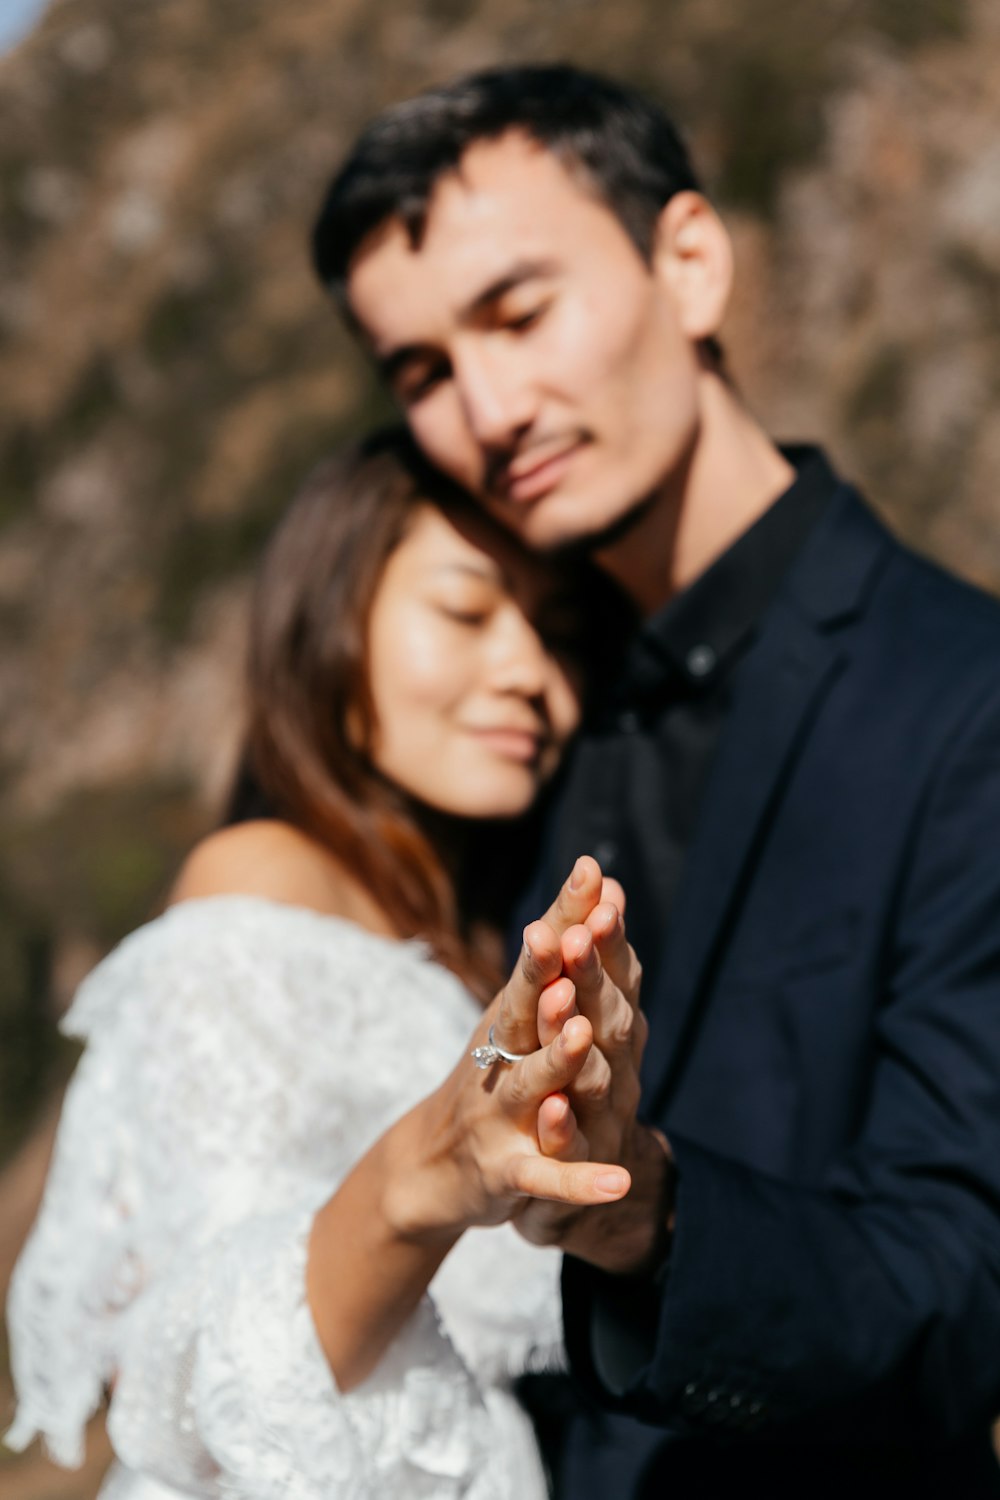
487,571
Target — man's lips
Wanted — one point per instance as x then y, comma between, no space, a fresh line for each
534,473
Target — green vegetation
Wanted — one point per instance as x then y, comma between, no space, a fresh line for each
911,23
99,863
188,321
879,394
93,400
21,466
772,121
27,1043
201,552
982,277
28,454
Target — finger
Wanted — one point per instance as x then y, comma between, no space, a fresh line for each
568,1182
549,1070
598,997
556,1004
515,1022
614,892
616,952
577,897
559,1135
591,1094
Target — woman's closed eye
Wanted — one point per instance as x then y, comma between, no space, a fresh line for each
470,602
464,616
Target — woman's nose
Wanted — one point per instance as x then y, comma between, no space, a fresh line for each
521,662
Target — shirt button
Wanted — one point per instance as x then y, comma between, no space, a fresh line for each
628,722
605,851
700,660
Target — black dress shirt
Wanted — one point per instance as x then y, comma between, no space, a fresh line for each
631,798
634,790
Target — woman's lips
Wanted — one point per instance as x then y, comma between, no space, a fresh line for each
513,744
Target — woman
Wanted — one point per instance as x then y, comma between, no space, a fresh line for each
260,1171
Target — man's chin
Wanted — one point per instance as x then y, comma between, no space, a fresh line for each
555,524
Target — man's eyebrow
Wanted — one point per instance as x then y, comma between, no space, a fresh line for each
520,272
393,360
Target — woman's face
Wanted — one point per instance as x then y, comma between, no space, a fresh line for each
474,685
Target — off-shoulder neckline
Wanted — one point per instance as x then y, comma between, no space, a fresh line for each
308,915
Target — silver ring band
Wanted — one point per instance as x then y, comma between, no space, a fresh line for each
485,1057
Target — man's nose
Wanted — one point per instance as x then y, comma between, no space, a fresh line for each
495,396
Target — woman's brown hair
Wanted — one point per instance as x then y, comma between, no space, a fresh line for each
311,718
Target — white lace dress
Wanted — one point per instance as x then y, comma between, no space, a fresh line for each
241,1055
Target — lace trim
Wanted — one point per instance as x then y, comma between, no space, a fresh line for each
236,1062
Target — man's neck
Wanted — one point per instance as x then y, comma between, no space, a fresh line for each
731,475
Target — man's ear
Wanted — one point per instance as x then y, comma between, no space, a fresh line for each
693,252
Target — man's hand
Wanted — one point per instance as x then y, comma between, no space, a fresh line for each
628,1237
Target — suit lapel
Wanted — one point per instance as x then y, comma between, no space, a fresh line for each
779,692
782,685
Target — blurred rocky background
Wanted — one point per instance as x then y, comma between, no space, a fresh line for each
169,370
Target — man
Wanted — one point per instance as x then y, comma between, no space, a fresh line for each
797,781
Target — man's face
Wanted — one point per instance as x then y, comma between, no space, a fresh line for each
540,361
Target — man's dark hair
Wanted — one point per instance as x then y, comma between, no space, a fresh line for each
617,142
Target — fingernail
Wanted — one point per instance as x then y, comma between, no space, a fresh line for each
527,946
586,958
577,875
611,1182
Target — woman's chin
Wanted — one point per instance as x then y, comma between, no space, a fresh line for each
485,798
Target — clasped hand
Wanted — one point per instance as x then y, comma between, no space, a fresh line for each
551,1142
585,966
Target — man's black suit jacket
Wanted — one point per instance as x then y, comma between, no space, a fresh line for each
824,1057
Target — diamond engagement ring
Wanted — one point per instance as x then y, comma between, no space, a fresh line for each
485,1057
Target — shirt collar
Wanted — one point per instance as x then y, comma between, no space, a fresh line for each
691,639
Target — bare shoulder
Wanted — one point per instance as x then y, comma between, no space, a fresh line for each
277,862
251,859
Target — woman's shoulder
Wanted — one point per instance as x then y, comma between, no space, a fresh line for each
257,909
277,862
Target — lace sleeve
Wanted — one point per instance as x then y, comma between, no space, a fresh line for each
169,1255
224,1390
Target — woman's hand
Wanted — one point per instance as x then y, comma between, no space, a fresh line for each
470,1153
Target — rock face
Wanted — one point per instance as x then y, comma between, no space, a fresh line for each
170,369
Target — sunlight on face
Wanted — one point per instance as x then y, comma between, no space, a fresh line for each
540,361
471,679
